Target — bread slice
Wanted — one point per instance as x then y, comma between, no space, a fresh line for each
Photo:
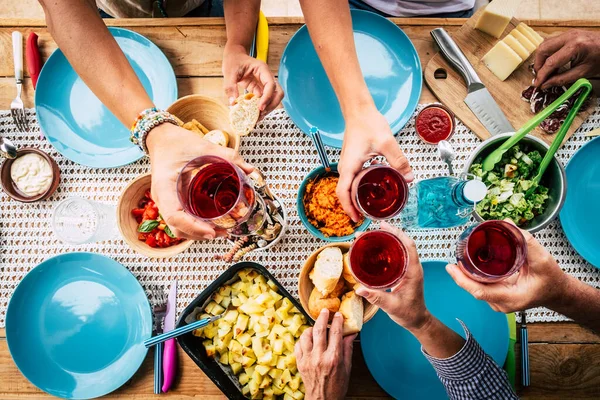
353,311
327,270
347,273
316,303
217,137
244,114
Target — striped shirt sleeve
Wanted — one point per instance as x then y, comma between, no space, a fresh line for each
471,373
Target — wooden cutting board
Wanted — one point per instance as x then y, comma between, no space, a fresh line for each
452,90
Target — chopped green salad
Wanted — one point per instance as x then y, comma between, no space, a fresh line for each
507,184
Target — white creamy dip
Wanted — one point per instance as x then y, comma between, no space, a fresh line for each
31,174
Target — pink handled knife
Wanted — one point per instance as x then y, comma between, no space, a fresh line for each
170,346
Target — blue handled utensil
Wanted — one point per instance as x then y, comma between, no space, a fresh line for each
315,135
157,340
524,350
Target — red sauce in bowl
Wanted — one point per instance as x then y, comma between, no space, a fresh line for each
434,124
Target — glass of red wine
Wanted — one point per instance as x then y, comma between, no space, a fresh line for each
491,251
378,260
379,192
219,193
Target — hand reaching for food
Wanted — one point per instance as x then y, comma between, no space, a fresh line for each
252,75
580,48
171,148
324,358
367,135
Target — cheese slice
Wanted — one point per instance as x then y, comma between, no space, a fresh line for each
521,28
496,17
537,39
517,47
502,60
523,40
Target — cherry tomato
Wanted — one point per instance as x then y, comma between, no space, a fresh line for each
151,241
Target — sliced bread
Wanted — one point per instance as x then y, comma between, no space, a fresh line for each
217,137
244,113
347,272
327,270
353,311
316,303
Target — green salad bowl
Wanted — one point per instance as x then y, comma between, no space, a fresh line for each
554,178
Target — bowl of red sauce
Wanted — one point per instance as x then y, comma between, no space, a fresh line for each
435,123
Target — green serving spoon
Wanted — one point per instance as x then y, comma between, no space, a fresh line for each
587,88
495,156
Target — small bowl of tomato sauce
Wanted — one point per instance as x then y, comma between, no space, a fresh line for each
141,224
435,123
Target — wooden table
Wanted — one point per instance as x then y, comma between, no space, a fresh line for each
564,358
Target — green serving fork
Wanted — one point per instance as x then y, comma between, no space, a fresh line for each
494,157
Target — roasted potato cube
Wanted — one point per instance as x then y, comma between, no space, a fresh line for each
262,369
210,331
217,297
230,316
245,339
260,279
246,390
287,396
275,373
209,307
249,370
281,314
257,346
286,376
247,361
268,392
298,395
210,349
278,346
287,304
281,363
240,325
243,378
250,307
226,302
266,358
295,382
266,382
224,359
236,367
254,386
217,309
247,351
272,285
235,301
263,298
288,390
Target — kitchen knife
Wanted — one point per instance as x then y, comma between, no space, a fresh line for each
170,346
478,99
34,61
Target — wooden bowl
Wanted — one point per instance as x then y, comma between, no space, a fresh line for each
10,188
129,200
209,112
305,285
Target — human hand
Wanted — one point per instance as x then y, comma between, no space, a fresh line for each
540,282
170,149
581,48
325,362
367,135
405,303
253,75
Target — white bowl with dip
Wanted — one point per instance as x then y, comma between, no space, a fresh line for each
32,176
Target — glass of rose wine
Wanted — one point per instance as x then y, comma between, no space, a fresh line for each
378,260
491,251
219,193
379,192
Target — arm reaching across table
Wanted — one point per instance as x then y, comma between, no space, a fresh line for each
82,36
367,131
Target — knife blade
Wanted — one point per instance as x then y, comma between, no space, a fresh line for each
478,99
170,346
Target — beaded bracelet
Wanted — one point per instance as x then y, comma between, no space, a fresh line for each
145,122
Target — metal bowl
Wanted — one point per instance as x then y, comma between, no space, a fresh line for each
554,178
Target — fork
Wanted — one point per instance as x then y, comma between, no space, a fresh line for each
159,309
17,109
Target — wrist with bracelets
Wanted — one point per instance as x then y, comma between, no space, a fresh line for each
145,122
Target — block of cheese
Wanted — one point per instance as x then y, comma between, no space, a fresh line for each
530,34
517,47
502,60
496,16
523,40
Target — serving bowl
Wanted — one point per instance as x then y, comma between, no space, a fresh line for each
209,112
554,178
10,188
129,200
306,286
317,172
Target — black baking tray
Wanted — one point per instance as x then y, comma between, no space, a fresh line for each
220,374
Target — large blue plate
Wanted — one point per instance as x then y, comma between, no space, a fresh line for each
580,217
74,120
394,356
389,63
76,323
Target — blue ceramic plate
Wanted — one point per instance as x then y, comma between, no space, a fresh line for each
76,323
580,217
394,356
304,219
389,63
78,125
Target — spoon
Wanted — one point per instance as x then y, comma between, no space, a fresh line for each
495,156
447,154
315,135
559,138
7,149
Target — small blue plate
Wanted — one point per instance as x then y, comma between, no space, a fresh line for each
579,216
302,213
76,323
74,120
389,63
394,356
